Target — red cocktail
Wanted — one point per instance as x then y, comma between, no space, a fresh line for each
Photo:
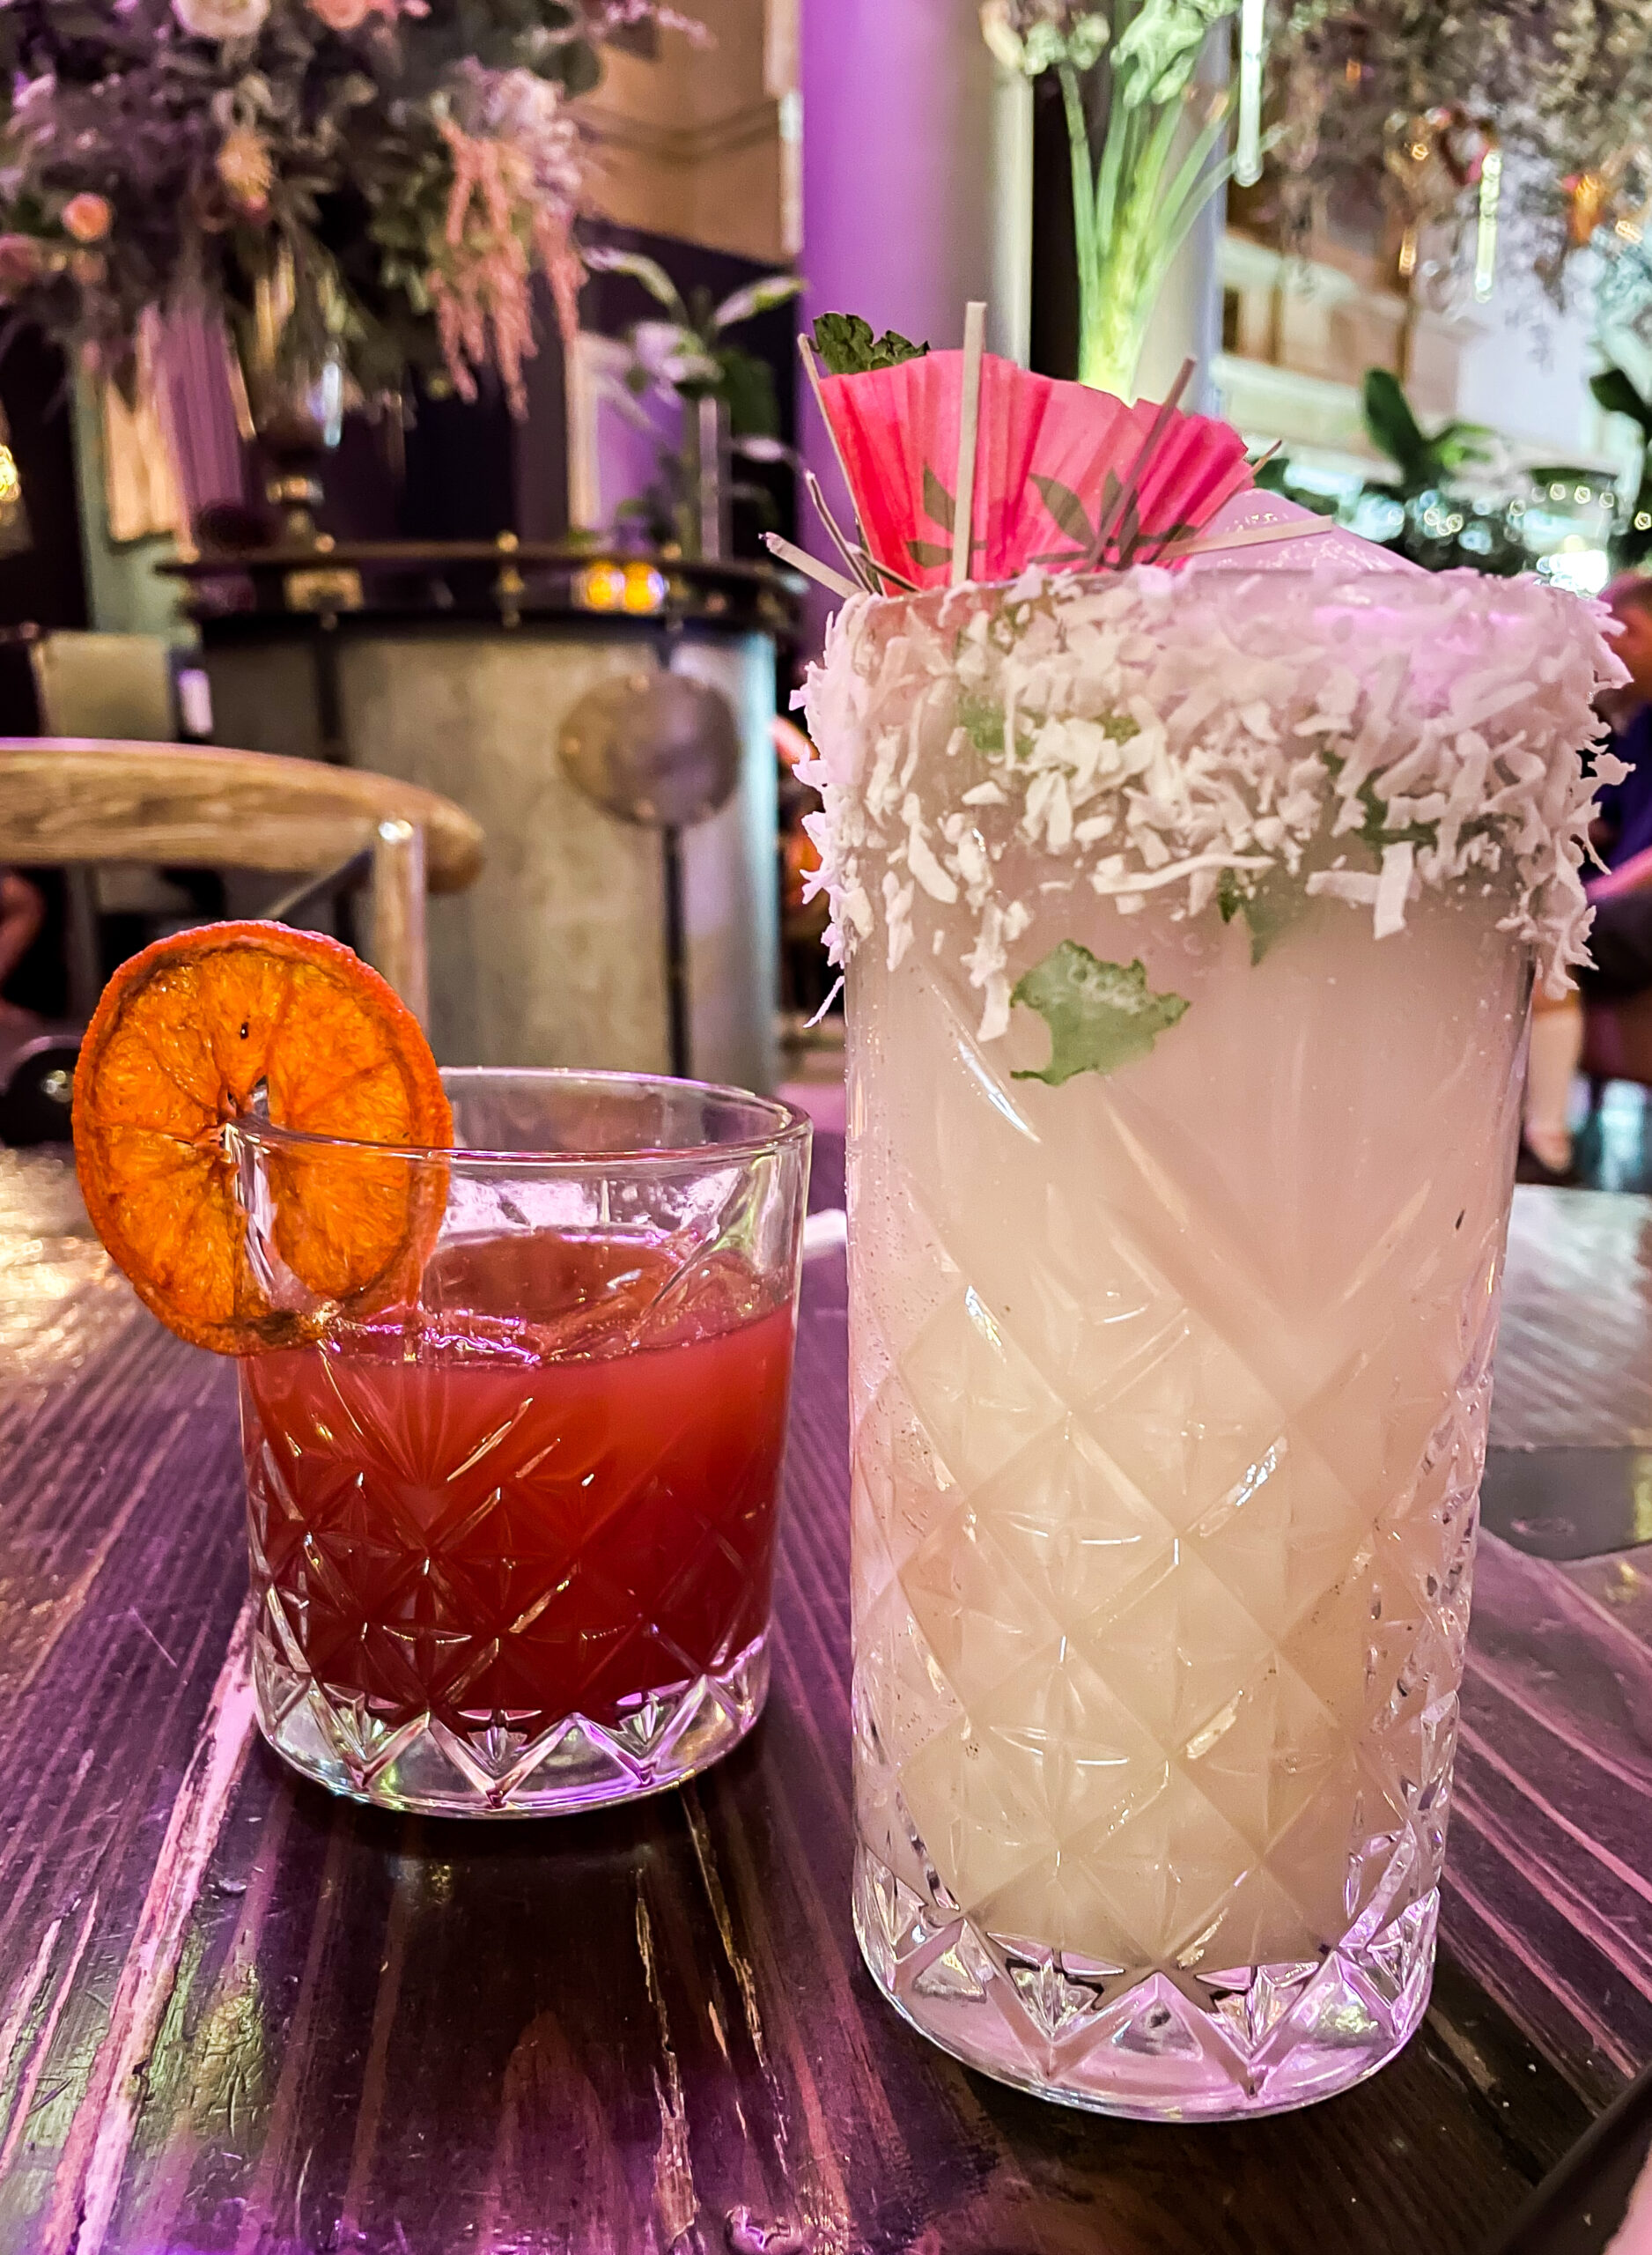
514,1541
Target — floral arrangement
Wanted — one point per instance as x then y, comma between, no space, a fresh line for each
1127,78
392,170
687,359
1418,91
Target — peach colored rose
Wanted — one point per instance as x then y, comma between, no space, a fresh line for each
88,217
342,15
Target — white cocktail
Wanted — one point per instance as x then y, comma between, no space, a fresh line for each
1174,1286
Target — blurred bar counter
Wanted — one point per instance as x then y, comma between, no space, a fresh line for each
455,664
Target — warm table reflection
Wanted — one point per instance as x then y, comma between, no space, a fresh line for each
237,2015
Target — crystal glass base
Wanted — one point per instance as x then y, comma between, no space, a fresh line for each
419,1765
1215,2047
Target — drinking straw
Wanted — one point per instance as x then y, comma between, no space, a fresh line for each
801,560
1149,447
968,432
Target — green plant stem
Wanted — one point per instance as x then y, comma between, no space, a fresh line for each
1083,175
1130,219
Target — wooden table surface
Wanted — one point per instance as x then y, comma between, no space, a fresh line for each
237,2015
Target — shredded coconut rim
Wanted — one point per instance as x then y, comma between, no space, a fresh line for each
1148,731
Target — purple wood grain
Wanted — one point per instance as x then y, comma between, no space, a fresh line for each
235,2014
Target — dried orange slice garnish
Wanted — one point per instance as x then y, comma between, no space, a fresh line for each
185,1035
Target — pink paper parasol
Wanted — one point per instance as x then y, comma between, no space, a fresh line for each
1051,462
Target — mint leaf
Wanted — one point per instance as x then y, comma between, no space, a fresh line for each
848,348
1100,1015
1266,915
1375,830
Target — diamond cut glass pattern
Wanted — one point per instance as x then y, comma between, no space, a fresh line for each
511,1543
1169,1392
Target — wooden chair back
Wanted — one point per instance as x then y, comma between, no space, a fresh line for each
116,686
73,800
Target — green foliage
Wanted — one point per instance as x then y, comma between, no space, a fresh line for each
1140,180
1613,391
1265,913
1100,1016
1436,530
648,271
1156,54
847,347
1423,463
1631,543
746,384
688,357
1033,36
1274,476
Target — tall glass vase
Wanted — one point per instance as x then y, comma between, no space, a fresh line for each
1169,1384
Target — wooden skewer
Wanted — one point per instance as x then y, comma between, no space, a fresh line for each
888,572
969,434
1188,541
849,550
801,560
1250,537
1149,447
806,353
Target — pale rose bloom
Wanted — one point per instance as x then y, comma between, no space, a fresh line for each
221,18
88,217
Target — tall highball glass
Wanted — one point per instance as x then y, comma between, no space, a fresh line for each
1176,1222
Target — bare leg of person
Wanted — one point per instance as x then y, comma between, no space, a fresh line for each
22,912
1557,1050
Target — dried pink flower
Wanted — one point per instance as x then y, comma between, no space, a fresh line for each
88,217
481,288
515,190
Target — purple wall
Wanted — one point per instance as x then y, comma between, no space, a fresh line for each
897,114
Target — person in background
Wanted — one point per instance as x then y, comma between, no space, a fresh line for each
807,976
1621,940
22,913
